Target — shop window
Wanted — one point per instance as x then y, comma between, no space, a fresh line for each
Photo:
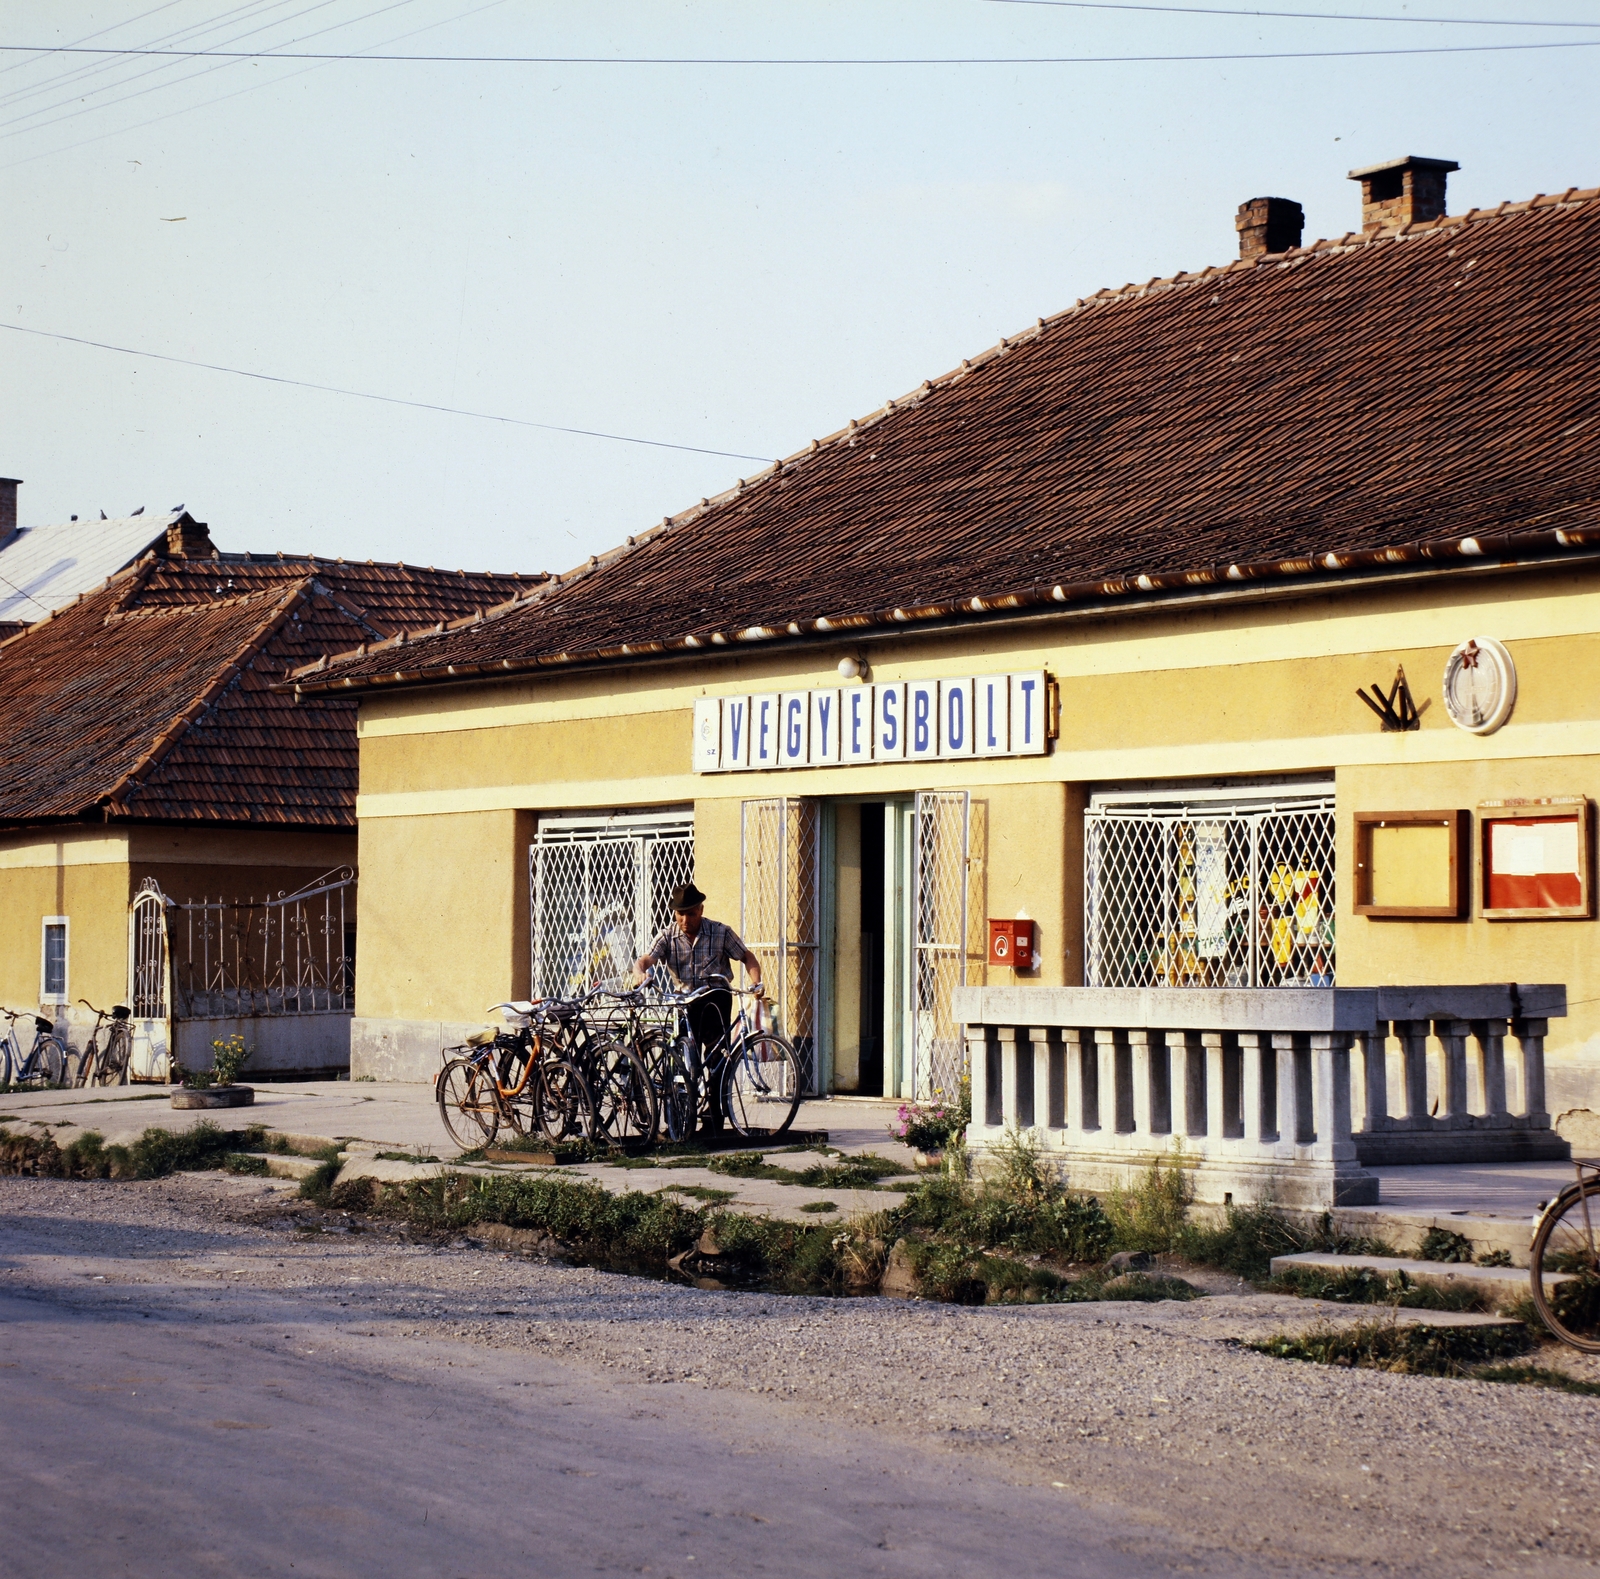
1211,890
53,961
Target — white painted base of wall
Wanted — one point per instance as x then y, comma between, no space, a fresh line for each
404,1050
301,1042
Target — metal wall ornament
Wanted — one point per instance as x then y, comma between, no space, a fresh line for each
1480,685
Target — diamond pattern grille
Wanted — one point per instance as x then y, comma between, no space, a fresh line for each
1224,896
779,914
949,945
600,895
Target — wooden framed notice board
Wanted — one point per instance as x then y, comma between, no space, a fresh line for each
1412,865
1535,859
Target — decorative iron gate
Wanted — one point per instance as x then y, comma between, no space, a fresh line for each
149,983
949,891
1224,893
289,954
780,912
600,892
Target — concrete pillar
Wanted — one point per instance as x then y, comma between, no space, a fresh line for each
1413,1036
1491,1035
1145,1047
1189,1083
1453,1036
1375,1067
1530,1036
1290,1127
1115,1059
1006,1037
1258,1078
1049,1078
1083,1103
1330,1058
1027,1108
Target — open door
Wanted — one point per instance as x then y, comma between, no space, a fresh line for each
150,984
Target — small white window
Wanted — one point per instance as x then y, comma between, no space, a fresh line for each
53,961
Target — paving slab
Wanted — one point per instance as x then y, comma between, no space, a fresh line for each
1499,1282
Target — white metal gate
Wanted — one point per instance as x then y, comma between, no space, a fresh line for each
149,983
948,889
1211,891
780,912
600,889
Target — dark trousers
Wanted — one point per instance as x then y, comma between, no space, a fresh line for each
709,1019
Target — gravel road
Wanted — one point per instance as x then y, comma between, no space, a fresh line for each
1141,1437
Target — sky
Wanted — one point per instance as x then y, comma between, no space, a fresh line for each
727,258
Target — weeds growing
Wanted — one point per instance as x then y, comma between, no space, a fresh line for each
155,1153
1413,1349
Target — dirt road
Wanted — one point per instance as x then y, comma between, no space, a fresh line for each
201,1375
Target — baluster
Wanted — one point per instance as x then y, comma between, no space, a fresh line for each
1146,1049
1021,1108
1530,1036
1050,1075
1413,1037
1188,1057
1453,1036
1288,1082
1330,1056
1219,1121
1116,1076
978,1064
1375,1067
1083,1085
1259,1087
1491,1035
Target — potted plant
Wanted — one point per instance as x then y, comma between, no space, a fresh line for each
930,1129
217,1086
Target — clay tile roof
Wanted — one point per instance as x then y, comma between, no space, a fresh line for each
154,696
1356,403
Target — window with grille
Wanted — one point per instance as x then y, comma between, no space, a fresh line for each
53,961
1234,891
601,891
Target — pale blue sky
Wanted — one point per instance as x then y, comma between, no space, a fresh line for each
733,257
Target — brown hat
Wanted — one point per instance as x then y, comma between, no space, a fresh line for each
686,896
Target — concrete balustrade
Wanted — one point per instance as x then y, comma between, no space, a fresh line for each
1261,1087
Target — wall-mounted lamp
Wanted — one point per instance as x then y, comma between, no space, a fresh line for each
852,668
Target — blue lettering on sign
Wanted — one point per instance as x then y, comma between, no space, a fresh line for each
796,731
891,724
955,721
855,723
761,739
919,718
1027,711
735,725
824,708
989,714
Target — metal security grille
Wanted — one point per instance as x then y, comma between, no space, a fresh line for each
600,892
779,914
1222,894
948,948
289,954
147,952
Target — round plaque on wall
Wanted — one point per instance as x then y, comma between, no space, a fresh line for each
1480,685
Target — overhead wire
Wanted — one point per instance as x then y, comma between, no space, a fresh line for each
1299,16
388,400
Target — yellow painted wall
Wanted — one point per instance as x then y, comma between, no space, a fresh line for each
444,922
81,874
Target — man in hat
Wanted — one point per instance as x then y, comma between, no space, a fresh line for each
700,953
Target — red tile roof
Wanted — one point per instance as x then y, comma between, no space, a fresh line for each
153,697
1420,395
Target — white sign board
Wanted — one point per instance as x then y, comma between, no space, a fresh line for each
987,715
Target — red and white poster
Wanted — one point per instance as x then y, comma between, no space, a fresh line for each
1534,864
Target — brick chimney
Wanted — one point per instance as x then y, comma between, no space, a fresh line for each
188,538
8,507
1268,224
1402,192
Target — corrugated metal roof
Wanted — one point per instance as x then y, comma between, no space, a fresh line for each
44,568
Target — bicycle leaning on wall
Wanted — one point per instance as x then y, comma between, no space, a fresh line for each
1564,1263
44,1063
106,1064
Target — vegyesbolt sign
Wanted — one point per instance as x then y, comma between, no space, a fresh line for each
992,715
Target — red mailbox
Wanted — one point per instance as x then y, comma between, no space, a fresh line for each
1011,943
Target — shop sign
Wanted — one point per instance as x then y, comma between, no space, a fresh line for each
990,715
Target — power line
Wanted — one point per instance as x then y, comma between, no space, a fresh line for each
820,60
388,400
1302,16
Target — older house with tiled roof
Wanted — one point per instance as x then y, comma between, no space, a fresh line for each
1226,642
147,748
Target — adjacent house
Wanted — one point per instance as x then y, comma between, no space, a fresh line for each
174,832
1182,716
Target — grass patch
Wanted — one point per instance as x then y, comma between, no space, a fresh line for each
155,1153
845,1173
1248,1237
1365,1286
701,1192
819,1207
243,1162
1537,1376
317,1186
1441,1244
404,1156
1415,1350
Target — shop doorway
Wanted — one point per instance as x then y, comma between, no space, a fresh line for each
874,943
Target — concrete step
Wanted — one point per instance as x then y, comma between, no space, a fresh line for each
1508,1231
1499,1283
286,1167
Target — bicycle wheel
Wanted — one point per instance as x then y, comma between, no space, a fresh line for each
50,1062
1567,1246
625,1106
112,1069
761,1085
468,1103
83,1075
564,1108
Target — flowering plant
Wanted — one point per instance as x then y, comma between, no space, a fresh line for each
934,1125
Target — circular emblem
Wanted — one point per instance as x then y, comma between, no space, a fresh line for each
1480,685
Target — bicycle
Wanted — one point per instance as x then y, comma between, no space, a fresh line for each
500,1077
1566,1251
106,1066
45,1062
625,1105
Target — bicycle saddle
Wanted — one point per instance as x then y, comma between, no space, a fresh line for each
121,1012
42,1024
480,1038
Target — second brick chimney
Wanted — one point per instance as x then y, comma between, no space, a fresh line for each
8,507
1402,191
1268,224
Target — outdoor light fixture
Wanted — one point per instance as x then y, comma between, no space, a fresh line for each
852,669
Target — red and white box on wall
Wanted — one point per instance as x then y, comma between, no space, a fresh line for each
1011,942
